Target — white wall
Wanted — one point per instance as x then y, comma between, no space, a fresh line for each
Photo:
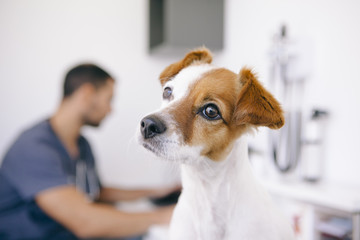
41,39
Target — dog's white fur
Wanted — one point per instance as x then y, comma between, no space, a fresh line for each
221,200
224,201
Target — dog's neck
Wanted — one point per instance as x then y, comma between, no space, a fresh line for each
212,186
211,175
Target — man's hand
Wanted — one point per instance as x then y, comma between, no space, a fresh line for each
159,193
165,214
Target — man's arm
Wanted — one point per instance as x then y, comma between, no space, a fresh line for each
86,219
109,194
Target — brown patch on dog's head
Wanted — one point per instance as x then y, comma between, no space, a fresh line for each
219,87
256,106
242,102
200,55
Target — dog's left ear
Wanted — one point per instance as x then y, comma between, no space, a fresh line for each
256,106
200,55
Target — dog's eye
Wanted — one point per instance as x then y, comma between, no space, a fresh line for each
167,93
211,112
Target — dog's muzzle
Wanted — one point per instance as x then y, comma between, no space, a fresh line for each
151,126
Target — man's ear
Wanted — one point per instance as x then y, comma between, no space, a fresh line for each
256,106
85,92
201,55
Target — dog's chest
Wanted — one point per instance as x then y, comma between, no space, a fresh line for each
221,214
208,219
208,203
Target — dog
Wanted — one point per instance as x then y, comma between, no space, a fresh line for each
202,123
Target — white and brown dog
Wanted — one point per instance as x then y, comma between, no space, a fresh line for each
205,114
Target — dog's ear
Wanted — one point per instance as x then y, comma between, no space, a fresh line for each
200,55
256,106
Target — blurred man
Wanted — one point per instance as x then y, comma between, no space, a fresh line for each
49,187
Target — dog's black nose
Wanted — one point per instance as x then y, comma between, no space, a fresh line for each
151,126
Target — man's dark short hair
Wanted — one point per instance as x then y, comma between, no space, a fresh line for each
84,73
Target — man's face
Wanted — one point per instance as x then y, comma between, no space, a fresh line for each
100,104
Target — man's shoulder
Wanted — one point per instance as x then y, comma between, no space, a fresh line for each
37,131
34,139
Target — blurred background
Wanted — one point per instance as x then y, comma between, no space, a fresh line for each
306,52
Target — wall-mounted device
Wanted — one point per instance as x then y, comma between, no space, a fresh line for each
300,141
288,86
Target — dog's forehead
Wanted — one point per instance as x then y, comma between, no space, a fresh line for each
180,83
